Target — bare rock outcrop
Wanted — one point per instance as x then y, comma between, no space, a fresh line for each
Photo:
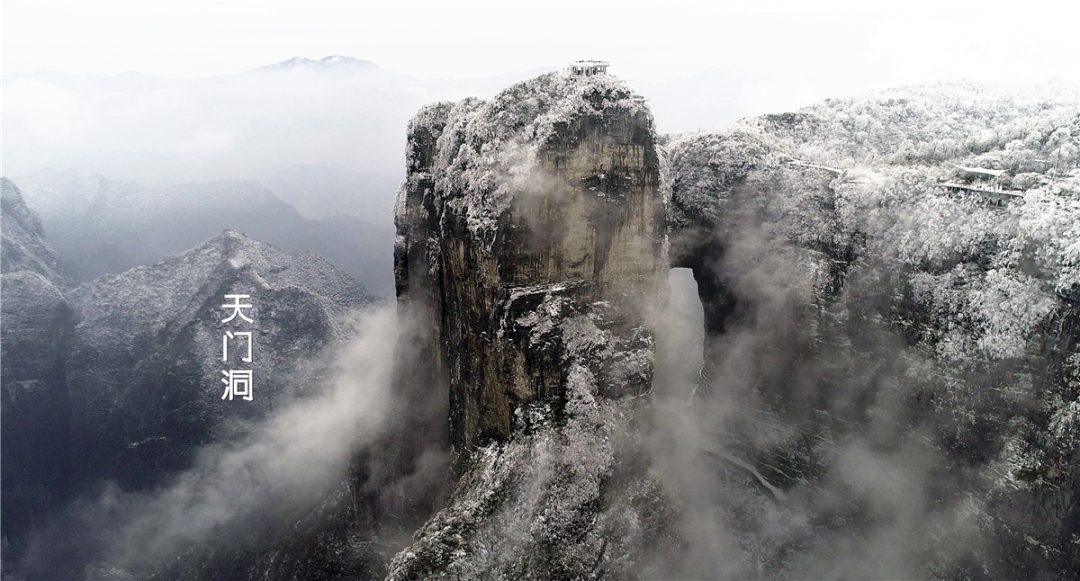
531,243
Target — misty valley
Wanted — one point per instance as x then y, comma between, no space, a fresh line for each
840,342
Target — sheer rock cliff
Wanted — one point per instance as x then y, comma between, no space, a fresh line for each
530,245
36,333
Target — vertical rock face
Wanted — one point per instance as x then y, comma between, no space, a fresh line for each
35,335
530,243
550,193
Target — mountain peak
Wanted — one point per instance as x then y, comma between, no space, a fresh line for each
333,62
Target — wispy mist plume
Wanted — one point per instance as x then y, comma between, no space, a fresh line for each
404,476
280,469
802,451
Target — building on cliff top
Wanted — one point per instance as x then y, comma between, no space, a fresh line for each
589,68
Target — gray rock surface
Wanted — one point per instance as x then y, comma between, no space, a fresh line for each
145,367
530,242
35,336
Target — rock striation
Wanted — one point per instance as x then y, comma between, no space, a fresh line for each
549,192
530,245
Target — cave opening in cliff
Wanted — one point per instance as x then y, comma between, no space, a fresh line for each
680,335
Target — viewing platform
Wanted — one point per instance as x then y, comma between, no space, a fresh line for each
996,195
977,181
589,68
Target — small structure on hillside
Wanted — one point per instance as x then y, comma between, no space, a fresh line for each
589,68
982,181
994,195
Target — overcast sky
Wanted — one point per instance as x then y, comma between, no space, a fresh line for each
842,45
727,60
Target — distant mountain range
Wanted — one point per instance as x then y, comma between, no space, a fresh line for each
335,61
99,225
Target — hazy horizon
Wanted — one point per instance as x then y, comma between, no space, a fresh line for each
701,64
920,42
